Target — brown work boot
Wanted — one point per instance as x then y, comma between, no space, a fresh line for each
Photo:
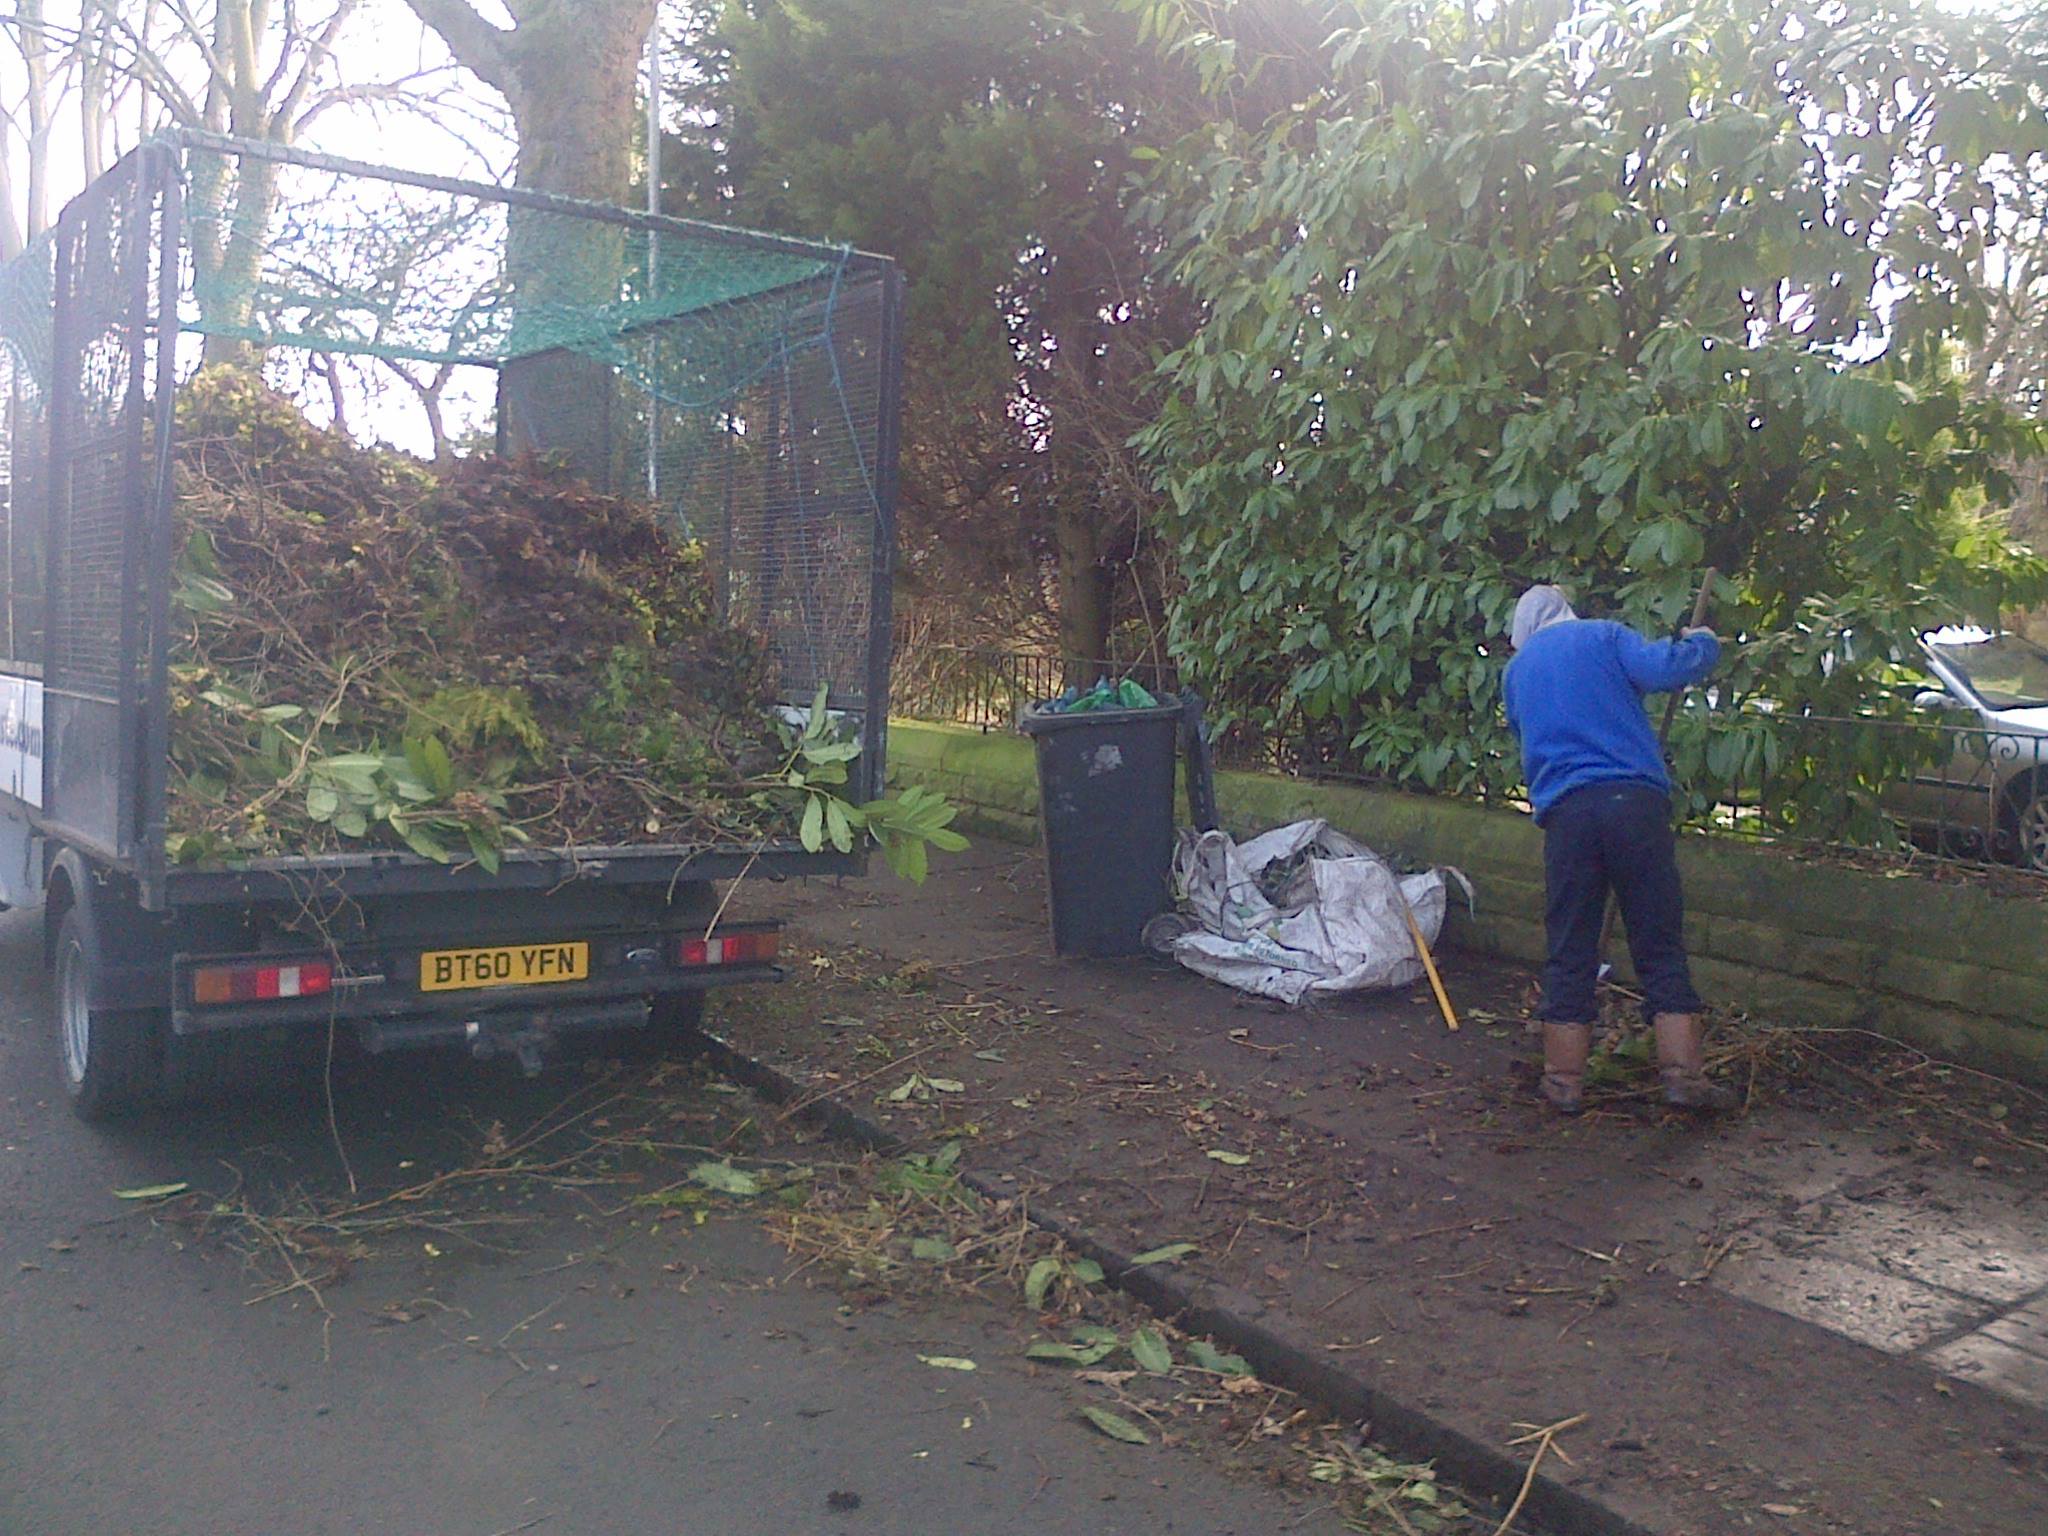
1565,1047
1681,1047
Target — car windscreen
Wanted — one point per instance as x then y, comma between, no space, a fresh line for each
2005,671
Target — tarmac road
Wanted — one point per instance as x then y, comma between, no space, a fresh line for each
145,1391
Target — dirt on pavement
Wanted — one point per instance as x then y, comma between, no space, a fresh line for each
1393,1191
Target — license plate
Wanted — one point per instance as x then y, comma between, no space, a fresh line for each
511,965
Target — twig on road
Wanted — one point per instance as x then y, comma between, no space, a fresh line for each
790,1111
1543,1438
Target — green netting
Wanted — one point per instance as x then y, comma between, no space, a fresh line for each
294,254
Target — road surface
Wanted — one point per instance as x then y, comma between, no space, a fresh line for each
596,1376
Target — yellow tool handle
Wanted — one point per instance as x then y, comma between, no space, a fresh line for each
1436,982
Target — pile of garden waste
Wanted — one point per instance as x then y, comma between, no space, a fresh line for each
369,651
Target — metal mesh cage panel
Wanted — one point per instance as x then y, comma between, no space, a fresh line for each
24,459
743,383
102,274
779,478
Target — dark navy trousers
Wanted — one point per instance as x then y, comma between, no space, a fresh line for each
1613,837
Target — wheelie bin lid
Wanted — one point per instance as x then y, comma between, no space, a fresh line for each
1042,720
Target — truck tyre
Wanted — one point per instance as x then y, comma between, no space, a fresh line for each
111,1059
671,1018
676,1013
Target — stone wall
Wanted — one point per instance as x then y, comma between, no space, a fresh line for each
1949,966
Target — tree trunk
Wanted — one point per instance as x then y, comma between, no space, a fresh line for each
92,90
10,231
35,58
241,263
1085,596
569,73
573,95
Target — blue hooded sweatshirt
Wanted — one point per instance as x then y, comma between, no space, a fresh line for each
1575,700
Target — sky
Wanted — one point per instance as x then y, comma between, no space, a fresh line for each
385,41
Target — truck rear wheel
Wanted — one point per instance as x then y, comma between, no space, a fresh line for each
676,1013
111,1059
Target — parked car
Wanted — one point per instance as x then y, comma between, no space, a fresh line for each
1990,794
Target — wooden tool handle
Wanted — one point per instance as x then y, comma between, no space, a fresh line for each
1706,597
1436,982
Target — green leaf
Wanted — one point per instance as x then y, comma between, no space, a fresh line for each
724,1179
152,1191
424,843
1149,1349
945,1085
1083,1354
831,751
200,553
936,1249
350,779
1114,1426
1086,1271
812,833
1038,1280
949,1362
322,802
1170,1254
485,852
1231,1159
440,771
837,827
913,863
1206,1356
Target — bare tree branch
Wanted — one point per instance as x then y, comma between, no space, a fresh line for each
479,47
198,36
318,52
406,89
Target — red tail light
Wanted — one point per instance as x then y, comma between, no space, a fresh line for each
753,947
261,983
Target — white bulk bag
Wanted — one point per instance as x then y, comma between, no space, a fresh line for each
1337,925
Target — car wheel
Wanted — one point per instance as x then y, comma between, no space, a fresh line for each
1961,843
111,1059
2029,827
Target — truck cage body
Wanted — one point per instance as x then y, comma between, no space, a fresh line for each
748,384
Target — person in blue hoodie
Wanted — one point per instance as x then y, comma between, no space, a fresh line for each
1597,782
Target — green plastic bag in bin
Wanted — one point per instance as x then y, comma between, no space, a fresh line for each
1128,694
